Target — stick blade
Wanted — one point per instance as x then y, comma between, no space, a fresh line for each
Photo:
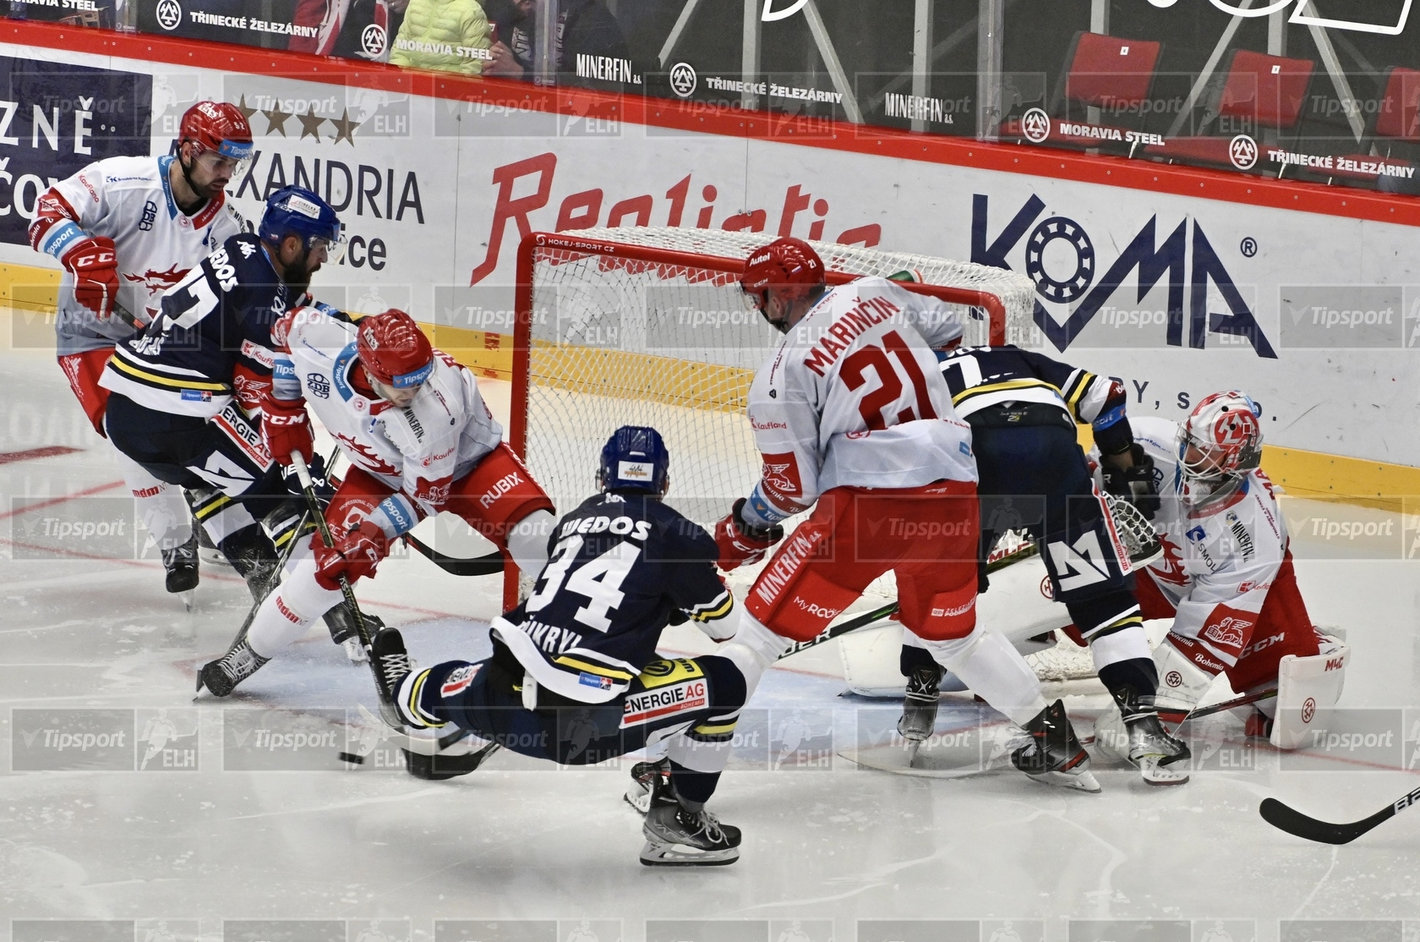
1292,821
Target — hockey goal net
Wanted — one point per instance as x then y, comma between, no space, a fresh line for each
648,326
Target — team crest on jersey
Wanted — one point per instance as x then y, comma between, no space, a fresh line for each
458,681
318,385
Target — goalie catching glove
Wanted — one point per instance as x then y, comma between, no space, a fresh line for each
93,261
1135,484
356,554
740,543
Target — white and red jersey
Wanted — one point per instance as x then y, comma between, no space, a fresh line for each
420,450
854,396
1221,556
129,200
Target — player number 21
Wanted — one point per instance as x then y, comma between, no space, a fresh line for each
891,363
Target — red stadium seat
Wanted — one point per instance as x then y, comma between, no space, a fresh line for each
1260,96
1110,73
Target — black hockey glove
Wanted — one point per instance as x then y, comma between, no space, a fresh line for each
1135,484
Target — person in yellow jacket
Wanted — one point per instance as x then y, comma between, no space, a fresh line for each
447,35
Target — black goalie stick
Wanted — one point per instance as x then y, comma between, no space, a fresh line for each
1293,821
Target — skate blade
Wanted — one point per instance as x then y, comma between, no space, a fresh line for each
1155,774
1083,780
355,651
912,747
680,855
189,597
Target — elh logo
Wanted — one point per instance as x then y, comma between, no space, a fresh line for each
1185,261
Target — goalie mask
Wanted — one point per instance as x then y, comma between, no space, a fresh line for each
1220,441
393,349
783,272
635,458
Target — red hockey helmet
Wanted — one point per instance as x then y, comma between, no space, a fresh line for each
786,268
393,349
217,126
1220,439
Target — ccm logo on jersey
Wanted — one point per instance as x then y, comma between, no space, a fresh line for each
664,701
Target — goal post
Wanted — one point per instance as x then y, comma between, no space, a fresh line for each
648,326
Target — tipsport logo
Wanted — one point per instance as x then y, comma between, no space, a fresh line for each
1071,275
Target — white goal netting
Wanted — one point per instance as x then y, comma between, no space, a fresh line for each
647,326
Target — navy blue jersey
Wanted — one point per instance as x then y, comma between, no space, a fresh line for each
619,568
212,339
980,377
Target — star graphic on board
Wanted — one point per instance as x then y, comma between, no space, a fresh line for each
246,111
344,127
310,123
276,119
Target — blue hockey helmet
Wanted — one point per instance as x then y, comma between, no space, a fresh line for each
635,458
295,210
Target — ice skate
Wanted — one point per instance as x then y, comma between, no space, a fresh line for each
222,675
677,836
340,621
644,779
919,704
393,666
181,565
1054,754
252,556
1136,735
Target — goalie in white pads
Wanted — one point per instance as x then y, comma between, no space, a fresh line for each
126,229
854,420
574,675
1022,408
420,440
1226,577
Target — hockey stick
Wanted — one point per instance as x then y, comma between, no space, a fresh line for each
125,315
1219,707
1294,822
281,559
485,565
362,628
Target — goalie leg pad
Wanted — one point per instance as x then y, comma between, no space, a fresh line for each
1182,680
1307,688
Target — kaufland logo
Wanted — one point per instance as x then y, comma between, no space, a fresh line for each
1183,260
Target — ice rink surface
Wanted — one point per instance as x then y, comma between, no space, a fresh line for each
129,811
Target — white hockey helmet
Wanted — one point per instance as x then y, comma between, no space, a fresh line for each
1220,440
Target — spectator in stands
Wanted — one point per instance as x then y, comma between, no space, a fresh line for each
344,25
585,27
444,35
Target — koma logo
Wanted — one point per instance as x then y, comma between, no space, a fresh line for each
1185,257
